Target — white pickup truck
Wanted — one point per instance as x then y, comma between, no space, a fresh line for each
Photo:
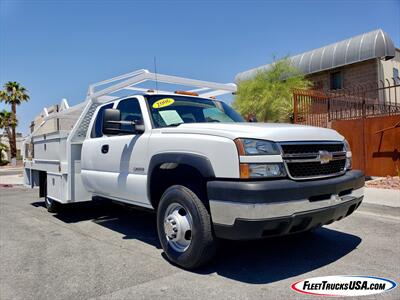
193,160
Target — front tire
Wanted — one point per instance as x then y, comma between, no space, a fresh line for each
184,228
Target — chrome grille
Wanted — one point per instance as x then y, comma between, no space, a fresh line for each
309,160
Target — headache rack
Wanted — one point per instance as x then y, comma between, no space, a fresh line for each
55,143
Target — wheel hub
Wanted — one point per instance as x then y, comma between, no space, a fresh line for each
170,228
178,227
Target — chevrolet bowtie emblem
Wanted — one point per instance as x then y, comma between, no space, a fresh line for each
324,156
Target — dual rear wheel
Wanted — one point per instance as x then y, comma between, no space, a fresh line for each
51,205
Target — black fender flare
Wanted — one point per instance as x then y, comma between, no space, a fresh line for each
199,162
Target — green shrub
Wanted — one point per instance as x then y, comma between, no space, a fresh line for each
269,94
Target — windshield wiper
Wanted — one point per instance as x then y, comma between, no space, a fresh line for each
174,125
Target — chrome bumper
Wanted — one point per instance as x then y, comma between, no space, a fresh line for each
226,212
260,200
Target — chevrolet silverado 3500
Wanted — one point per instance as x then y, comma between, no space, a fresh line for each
194,161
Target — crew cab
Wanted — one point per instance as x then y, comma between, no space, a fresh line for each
192,159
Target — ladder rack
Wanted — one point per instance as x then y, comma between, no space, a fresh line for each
130,80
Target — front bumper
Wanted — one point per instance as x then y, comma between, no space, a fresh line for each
256,209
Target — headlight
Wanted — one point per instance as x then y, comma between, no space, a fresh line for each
348,155
249,147
262,170
256,147
266,170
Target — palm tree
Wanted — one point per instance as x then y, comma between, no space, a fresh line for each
6,123
3,148
13,94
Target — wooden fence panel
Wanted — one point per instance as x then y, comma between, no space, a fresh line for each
375,143
382,142
352,130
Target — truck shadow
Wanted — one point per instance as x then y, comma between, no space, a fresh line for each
255,262
131,223
274,259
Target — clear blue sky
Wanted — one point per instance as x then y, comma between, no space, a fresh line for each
56,48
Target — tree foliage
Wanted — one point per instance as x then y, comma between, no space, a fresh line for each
268,95
6,122
13,94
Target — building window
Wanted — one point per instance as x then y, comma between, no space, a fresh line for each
396,76
336,80
318,85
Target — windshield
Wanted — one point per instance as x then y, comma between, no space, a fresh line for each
172,110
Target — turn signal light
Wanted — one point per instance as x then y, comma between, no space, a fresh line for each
244,171
186,93
239,147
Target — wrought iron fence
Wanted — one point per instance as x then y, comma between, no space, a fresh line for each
318,108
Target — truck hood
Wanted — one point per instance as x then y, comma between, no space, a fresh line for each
267,131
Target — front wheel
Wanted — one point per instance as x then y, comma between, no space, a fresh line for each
184,228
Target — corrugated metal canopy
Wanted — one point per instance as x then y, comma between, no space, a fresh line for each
362,47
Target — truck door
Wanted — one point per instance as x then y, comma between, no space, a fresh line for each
114,166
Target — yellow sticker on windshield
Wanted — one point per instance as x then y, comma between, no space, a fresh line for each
163,102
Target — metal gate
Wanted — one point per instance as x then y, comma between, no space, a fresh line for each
368,116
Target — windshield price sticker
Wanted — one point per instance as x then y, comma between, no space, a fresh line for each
171,117
163,102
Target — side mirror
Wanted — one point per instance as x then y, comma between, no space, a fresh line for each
112,123
111,119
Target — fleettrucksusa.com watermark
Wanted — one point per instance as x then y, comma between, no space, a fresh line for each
343,285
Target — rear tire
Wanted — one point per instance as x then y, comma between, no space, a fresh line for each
184,228
52,205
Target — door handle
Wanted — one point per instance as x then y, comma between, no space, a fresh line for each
104,149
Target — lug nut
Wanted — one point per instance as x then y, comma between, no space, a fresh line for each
175,229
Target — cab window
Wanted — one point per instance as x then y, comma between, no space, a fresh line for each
130,111
98,125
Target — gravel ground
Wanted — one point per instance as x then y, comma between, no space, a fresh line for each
389,182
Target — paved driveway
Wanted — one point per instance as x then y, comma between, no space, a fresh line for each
110,252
